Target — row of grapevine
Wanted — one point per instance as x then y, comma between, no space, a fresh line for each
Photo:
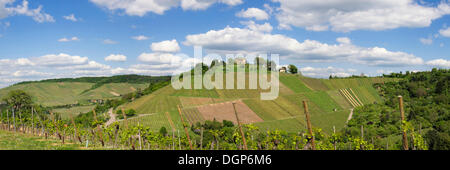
137,136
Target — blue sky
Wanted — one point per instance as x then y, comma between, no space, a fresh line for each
72,38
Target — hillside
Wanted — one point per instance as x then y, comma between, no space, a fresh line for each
83,91
330,102
55,92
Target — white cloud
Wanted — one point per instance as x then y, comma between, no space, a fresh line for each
246,41
256,13
268,8
24,62
169,46
142,7
348,15
344,40
426,41
71,17
140,38
23,9
445,32
51,66
266,27
60,60
326,72
68,40
159,58
442,63
108,41
116,57
163,64
381,71
32,73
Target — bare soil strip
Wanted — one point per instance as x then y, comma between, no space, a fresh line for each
225,111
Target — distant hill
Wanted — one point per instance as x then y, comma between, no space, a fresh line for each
54,92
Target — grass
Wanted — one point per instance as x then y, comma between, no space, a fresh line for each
315,84
326,121
294,83
74,111
112,90
157,102
51,94
266,110
54,94
339,99
156,121
323,100
18,141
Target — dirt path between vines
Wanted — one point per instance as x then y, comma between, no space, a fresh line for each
112,117
350,116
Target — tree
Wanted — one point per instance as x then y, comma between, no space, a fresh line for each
293,69
271,65
18,99
214,62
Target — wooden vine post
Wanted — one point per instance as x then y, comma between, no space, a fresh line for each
54,124
99,130
185,128
32,119
402,114
125,118
75,129
14,119
308,122
240,127
7,117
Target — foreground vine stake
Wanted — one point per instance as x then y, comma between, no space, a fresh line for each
402,113
308,122
185,128
125,118
240,127
99,130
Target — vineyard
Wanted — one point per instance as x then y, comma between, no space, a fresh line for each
211,119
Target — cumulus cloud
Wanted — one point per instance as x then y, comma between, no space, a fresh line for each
71,17
168,46
164,64
266,27
426,41
445,32
345,15
327,71
29,74
60,60
140,38
238,40
142,7
344,40
159,58
51,66
68,40
441,63
116,57
108,41
255,13
22,9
